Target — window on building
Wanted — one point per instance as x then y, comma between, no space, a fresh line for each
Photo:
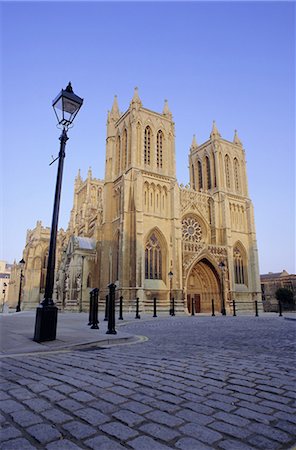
236,175
199,175
209,182
89,283
193,176
147,146
124,150
227,171
239,267
159,144
153,259
117,155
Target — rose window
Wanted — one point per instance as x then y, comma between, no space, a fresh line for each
191,230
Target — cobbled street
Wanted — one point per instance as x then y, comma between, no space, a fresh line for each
195,383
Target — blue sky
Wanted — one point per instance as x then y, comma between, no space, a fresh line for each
228,61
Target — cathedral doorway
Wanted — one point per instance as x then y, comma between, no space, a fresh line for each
203,286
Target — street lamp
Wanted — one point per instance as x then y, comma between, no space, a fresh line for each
66,106
222,266
22,265
170,274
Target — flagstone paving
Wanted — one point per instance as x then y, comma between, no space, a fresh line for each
197,383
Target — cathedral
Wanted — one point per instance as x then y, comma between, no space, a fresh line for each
153,238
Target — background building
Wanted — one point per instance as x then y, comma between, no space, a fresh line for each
138,224
270,283
5,272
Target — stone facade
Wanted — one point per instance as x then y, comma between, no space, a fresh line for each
139,224
5,272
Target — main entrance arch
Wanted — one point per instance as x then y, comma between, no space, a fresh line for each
203,286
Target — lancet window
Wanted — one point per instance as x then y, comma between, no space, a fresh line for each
199,175
124,150
236,175
153,259
147,146
208,167
193,176
159,146
239,268
117,155
227,171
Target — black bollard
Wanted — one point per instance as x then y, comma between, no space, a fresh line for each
137,309
213,308
120,308
192,307
106,309
90,320
95,320
280,309
256,308
154,307
111,310
173,307
234,311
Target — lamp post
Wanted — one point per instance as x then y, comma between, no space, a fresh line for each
170,274
4,293
66,106
81,298
222,266
22,265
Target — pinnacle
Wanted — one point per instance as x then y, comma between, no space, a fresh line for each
215,133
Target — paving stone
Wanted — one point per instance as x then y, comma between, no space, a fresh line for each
232,430
250,414
190,444
65,389
118,430
121,390
137,407
170,398
26,418
232,419
63,444
92,416
37,404
285,416
53,396
9,433
4,396
220,405
9,406
112,398
70,405
146,443
201,433
199,408
159,431
56,416
270,432
44,433
229,444
278,406
255,407
286,426
18,444
82,396
103,443
273,397
192,416
263,443
266,388
103,406
79,430
164,418
128,417
21,393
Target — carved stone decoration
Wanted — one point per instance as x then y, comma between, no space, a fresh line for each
195,201
191,230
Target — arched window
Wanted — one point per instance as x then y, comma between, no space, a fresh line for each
239,267
227,171
45,260
209,183
159,144
124,150
236,175
193,176
199,175
147,146
89,281
117,155
153,259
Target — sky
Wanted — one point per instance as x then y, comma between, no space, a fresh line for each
232,62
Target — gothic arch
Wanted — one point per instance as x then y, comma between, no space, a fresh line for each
203,284
155,256
240,264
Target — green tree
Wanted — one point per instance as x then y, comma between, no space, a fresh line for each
285,296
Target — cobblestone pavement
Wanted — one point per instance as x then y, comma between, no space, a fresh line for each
196,383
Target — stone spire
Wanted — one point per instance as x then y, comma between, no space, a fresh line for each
236,139
78,179
136,101
215,133
166,110
89,173
194,143
114,113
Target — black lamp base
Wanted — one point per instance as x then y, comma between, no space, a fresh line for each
46,323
